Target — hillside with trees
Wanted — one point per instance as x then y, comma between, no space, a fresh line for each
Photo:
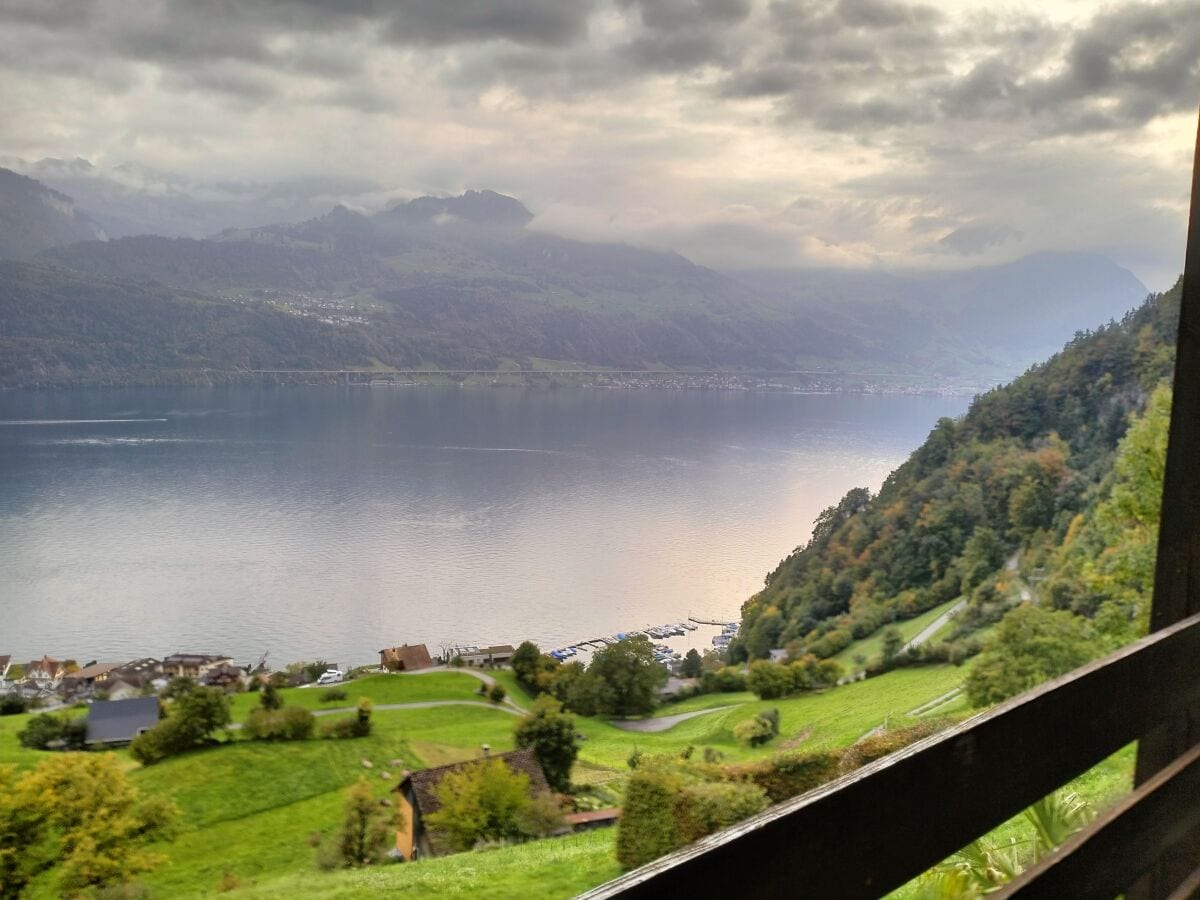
1046,491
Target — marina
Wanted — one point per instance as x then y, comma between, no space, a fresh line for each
658,634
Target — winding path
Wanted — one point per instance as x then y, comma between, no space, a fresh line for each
661,723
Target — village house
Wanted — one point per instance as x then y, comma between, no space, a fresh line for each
223,676
417,798
405,658
122,687
5,665
498,655
192,665
47,673
86,679
116,722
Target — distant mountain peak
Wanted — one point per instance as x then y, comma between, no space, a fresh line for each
34,217
485,207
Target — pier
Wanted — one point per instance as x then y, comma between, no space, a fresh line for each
709,622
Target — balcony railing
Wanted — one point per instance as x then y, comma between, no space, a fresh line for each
874,830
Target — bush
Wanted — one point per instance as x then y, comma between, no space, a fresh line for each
497,693
358,726
190,723
333,695
543,817
786,774
759,730
480,802
647,828
49,731
269,698
12,705
706,808
292,723
879,745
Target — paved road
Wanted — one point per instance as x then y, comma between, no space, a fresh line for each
661,723
933,627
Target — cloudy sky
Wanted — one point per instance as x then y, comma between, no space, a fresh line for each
738,132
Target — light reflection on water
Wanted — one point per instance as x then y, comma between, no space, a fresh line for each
331,522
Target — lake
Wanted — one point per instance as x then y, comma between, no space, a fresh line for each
330,522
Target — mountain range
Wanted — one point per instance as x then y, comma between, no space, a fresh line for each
468,282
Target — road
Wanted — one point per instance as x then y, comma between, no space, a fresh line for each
933,627
661,723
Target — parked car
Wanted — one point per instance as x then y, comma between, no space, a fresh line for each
331,676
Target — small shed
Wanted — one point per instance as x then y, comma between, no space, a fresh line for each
112,722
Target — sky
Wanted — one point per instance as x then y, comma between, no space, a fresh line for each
866,133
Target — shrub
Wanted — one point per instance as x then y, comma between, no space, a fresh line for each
269,698
753,732
705,808
480,802
333,695
786,774
292,723
50,731
542,817
357,726
879,745
190,723
497,693
647,828
12,705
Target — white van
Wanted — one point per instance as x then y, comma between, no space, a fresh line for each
331,676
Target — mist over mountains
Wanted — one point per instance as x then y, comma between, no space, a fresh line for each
463,282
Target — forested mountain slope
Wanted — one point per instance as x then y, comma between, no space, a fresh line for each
34,218
60,328
1036,471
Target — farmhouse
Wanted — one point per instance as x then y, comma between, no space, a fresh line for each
417,798
192,665
405,658
46,672
113,722
89,676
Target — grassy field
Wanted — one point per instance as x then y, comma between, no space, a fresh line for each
249,808
561,867
379,688
872,645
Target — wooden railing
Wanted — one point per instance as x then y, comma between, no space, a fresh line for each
872,831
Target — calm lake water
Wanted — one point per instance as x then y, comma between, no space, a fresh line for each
329,522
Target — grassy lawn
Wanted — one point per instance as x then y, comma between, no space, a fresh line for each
380,688
516,693
872,645
560,867
835,718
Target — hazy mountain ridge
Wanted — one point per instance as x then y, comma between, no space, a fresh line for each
462,282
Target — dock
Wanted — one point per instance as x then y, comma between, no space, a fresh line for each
709,622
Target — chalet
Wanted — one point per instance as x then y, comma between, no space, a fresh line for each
418,798
114,722
192,665
499,655
90,676
222,676
405,658
46,672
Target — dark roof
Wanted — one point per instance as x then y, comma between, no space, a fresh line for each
116,721
93,670
193,659
406,657
424,783
147,664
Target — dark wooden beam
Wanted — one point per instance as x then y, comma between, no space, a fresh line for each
871,831
1114,851
1177,572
